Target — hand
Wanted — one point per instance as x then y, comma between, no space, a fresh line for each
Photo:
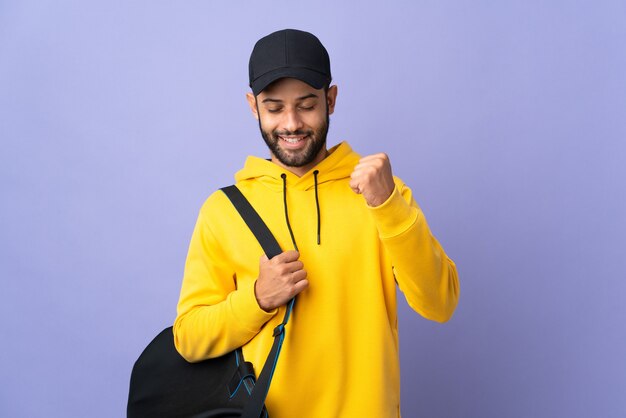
373,179
280,279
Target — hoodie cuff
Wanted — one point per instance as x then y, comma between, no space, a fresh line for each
247,310
394,216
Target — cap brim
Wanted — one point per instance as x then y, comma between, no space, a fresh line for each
312,78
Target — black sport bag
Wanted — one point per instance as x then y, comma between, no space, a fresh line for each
164,385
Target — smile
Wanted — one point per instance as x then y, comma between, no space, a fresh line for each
292,139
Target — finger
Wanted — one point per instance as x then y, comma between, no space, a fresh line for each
286,257
293,266
355,186
298,276
300,286
379,156
363,165
363,169
358,171
372,164
287,269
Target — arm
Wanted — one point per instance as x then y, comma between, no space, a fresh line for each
425,274
213,315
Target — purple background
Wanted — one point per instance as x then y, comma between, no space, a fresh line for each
507,118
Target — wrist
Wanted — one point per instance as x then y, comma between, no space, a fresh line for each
261,305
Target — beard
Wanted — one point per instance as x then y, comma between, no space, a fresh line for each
315,142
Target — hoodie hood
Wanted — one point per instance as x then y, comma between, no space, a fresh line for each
339,164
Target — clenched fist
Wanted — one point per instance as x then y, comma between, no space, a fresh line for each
280,279
373,179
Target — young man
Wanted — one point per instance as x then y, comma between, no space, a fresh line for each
349,230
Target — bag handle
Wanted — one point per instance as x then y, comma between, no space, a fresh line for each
271,248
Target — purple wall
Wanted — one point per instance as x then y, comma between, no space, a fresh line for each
508,119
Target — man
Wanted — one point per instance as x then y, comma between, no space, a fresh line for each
349,231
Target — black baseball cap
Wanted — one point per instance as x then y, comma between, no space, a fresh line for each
289,53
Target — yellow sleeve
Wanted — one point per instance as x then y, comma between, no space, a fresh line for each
425,274
213,315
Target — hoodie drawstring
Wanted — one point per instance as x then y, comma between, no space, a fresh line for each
317,206
293,239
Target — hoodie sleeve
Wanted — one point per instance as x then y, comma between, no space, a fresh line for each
213,315
425,274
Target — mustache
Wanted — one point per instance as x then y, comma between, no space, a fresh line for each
293,133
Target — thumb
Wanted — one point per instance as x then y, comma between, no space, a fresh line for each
354,185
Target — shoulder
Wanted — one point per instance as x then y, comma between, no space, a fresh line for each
216,203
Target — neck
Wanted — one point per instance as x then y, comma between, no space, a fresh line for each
301,171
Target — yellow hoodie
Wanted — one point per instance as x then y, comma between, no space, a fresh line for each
340,354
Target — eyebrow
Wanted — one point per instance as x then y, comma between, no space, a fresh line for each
299,99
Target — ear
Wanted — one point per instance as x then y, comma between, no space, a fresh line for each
252,103
331,98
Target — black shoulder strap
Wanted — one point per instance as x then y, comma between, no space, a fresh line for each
269,244
254,221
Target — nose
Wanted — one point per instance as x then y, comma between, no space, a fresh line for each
293,121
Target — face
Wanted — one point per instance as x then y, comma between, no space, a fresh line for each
293,118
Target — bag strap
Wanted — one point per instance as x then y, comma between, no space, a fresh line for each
254,221
271,248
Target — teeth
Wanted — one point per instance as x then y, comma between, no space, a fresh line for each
291,140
